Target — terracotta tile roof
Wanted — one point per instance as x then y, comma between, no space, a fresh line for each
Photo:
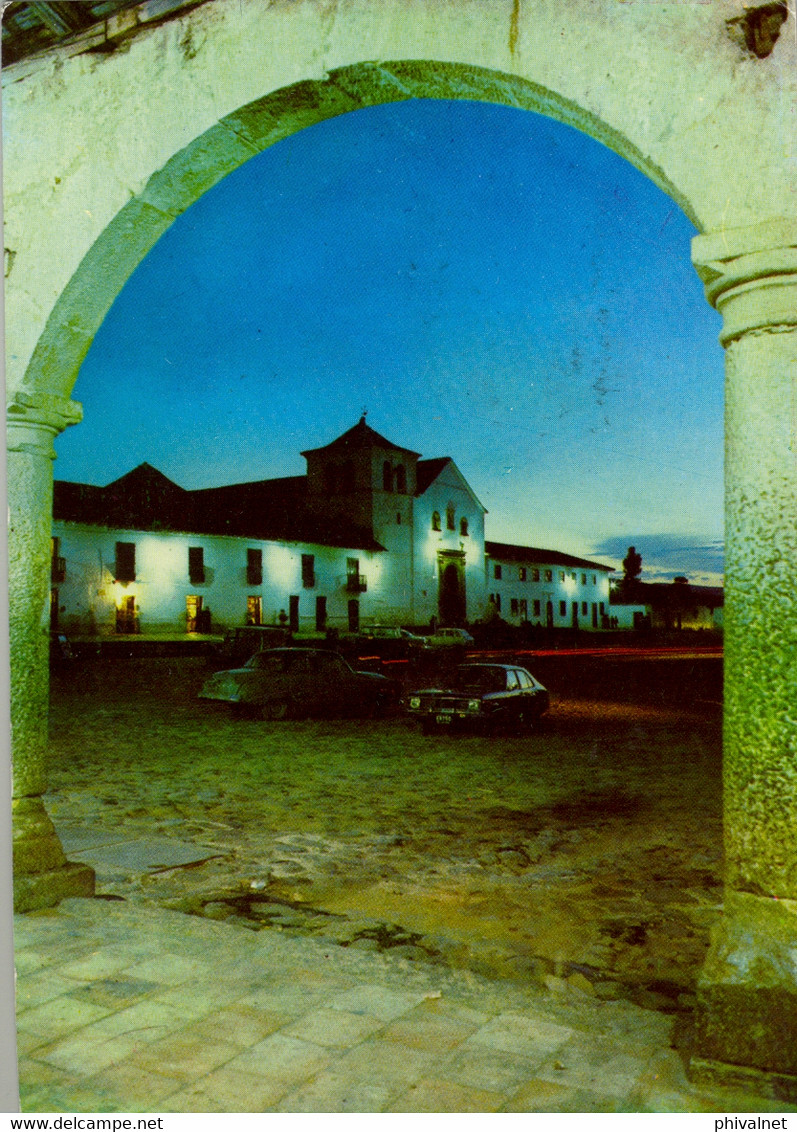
360,435
428,471
538,556
145,499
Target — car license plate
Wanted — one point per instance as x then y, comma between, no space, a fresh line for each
443,719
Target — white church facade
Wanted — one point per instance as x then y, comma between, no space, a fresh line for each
372,534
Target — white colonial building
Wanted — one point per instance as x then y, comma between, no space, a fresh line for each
546,587
371,534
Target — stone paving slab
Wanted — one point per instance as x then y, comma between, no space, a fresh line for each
142,855
78,838
124,1007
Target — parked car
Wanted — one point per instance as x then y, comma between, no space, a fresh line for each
393,633
450,638
284,683
481,696
241,643
389,642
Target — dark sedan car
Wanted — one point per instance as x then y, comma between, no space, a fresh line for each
481,696
285,683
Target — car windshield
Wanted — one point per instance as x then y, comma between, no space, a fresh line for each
479,678
269,661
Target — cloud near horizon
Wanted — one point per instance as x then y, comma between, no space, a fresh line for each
666,555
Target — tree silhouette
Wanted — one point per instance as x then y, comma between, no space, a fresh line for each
632,568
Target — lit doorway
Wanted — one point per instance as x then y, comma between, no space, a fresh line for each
126,619
193,614
254,610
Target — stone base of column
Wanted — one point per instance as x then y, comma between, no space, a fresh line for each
719,1075
746,1015
45,890
42,875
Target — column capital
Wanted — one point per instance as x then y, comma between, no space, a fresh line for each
35,419
750,276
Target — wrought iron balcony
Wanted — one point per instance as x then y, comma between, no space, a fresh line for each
356,583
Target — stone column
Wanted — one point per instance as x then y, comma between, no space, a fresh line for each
747,993
42,875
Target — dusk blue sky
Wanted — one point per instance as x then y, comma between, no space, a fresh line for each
491,286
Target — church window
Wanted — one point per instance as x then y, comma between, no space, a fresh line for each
436,521
308,571
57,563
196,564
463,527
450,518
254,568
125,564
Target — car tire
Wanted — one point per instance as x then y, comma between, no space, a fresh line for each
373,710
428,727
277,710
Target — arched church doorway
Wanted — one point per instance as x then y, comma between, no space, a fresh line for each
452,603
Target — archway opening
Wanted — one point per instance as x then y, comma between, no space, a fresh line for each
496,811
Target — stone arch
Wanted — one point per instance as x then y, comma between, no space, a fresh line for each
188,174
683,92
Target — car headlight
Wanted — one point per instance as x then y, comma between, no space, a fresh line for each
415,701
474,705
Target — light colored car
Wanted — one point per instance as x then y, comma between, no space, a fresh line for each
392,633
480,696
284,683
450,638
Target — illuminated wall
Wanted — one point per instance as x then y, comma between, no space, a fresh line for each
536,582
448,490
89,595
